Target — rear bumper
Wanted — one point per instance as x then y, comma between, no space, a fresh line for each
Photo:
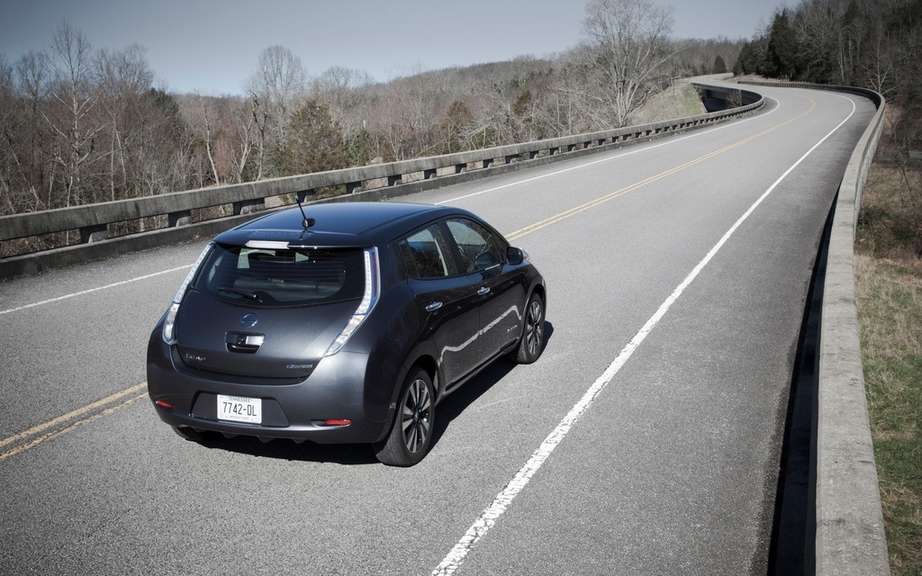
337,388
359,432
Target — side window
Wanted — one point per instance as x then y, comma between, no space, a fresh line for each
422,254
478,249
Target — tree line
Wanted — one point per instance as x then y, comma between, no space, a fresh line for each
81,125
872,43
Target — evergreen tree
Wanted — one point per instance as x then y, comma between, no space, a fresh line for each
781,59
313,143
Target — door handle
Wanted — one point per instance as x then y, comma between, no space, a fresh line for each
433,306
484,290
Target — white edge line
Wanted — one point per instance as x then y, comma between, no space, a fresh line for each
640,148
91,290
492,513
516,183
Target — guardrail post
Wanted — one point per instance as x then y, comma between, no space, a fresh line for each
395,180
248,206
429,173
96,233
180,218
353,187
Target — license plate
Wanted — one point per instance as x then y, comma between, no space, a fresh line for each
240,409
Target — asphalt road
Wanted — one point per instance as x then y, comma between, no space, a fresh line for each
670,469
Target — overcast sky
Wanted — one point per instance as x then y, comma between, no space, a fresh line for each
212,46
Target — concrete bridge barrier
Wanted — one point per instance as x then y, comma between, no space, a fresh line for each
95,223
850,536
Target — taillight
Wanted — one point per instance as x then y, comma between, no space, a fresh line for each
369,299
169,322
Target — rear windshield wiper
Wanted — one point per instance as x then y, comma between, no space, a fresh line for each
245,293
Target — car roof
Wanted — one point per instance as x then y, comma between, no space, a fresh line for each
339,223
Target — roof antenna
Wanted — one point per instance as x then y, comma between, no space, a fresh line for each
306,222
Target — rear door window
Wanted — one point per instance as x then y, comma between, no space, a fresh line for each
283,277
423,254
477,248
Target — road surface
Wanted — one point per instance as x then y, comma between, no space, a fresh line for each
676,275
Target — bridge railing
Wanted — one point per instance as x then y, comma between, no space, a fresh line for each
94,224
850,535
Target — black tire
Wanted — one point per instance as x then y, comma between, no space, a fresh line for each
531,345
410,437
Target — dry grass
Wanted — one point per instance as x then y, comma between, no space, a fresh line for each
675,102
889,292
891,213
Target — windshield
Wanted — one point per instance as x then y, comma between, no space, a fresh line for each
283,277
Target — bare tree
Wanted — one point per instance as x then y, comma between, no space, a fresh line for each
122,78
205,127
628,40
246,136
278,83
340,89
71,89
32,72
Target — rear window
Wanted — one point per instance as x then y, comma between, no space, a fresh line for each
283,277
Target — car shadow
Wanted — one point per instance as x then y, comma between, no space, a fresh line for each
357,454
282,449
458,401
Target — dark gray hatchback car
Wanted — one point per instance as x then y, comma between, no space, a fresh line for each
349,327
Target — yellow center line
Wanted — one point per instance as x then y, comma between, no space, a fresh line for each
650,179
35,435
53,428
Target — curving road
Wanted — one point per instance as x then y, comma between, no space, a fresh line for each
676,273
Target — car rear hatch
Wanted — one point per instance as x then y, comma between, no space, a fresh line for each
266,310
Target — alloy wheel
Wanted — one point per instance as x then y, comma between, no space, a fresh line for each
416,416
534,327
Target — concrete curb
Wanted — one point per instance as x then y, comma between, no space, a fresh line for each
850,535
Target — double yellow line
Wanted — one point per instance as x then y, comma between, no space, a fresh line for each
22,441
649,180
36,435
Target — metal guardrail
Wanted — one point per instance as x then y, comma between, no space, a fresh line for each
92,221
850,535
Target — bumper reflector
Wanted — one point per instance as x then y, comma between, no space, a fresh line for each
337,422
164,404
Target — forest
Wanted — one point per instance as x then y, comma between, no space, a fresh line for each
875,44
81,125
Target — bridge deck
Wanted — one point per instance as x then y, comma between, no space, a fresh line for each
672,469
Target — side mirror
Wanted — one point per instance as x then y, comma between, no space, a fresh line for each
515,256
